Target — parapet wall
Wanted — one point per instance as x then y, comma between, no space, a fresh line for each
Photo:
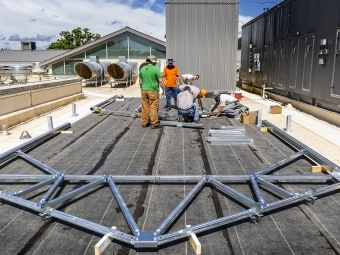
19,103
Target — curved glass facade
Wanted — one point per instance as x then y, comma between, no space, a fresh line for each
129,45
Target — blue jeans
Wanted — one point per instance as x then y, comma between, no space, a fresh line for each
193,110
174,92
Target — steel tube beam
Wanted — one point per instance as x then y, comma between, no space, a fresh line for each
74,192
300,146
178,210
127,214
11,154
281,162
19,201
256,189
233,193
55,185
232,128
330,188
163,239
284,202
275,188
126,238
37,163
185,178
26,177
180,124
34,187
104,103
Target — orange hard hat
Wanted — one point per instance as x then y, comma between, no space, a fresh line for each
203,92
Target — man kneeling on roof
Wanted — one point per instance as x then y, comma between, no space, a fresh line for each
186,105
196,92
226,104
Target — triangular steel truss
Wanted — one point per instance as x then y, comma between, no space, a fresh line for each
46,206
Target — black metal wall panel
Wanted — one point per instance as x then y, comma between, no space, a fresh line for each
296,48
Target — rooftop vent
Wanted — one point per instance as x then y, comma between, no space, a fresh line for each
28,46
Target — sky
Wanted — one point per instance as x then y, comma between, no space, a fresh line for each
43,20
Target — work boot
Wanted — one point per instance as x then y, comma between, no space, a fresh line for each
167,109
197,121
157,126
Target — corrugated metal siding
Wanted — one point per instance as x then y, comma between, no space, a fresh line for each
202,38
288,40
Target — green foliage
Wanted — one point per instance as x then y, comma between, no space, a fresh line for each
239,43
74,39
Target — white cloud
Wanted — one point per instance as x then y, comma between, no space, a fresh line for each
243,20
28,18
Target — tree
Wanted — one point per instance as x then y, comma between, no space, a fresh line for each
239,43
74,39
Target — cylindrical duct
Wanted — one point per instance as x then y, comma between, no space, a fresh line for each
121,70
36,68
90,70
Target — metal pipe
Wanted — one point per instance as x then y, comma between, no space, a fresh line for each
259,118
26,177
33,187
138,109
256,188
75,192
330,188
281,162
178,210
275,188
19,201
232,128
289,123
50,122
163,239
180,124
37,163
233,193
126,212
11,154
104,103
74,111
126,238
55,185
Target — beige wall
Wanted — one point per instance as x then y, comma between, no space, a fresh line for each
19,107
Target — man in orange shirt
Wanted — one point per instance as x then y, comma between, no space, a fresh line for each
170,75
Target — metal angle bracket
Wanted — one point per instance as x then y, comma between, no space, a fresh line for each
256,210
146,239
310,192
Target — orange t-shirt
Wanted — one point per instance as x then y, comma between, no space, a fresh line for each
170,75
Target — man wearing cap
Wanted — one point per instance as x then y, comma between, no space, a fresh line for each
196,92
189,78
227,104
151,78
186,105
170,75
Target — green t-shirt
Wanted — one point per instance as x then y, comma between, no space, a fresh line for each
150,75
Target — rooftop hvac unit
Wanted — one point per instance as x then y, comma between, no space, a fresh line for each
28,46
94,72
123,72
13,74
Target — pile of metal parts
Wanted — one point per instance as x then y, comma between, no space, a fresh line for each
267,177
228,135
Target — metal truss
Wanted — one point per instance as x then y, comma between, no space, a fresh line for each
48,204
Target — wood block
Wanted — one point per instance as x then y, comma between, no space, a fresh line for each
321,168
67,132
263,129
275,109
102,244
195,243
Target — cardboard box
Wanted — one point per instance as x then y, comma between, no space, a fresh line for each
275,109
249,118
244,119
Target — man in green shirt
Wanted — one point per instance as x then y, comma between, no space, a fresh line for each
150,78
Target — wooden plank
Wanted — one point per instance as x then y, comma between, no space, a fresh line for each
195,243
321,168
67,132
102,244
263,129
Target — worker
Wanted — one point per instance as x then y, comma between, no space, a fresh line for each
170,75
186,105
150,78
226,104
197,93
189,78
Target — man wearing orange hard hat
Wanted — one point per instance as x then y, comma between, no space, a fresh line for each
196,92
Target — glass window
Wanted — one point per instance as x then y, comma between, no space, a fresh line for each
79,56
58,68
99,51
118,47
139,47
158,50
69,66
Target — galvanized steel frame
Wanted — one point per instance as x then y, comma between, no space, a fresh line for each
46,206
